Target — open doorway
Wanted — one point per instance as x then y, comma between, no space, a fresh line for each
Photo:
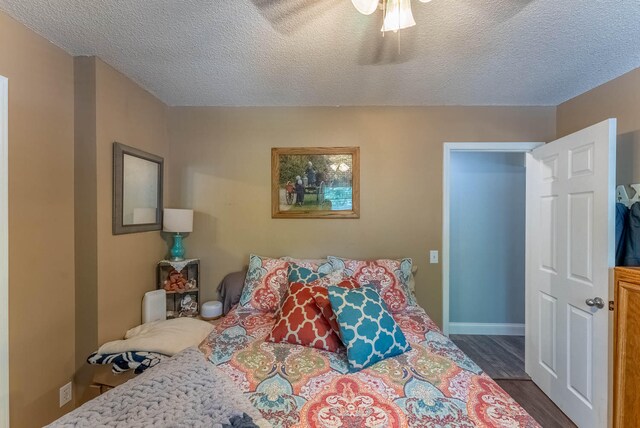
487,227
569,183
483,255
469,162
4,254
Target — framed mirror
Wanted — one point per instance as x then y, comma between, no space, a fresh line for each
137,190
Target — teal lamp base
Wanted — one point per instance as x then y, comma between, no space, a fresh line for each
177,251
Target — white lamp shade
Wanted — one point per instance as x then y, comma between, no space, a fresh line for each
365,7
398,15
177,220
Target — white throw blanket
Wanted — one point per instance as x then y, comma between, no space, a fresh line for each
167,337
184,391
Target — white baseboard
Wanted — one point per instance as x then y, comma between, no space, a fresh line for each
495,329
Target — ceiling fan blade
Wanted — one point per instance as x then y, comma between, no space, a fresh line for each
365,7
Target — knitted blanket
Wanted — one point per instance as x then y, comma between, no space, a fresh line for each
184,391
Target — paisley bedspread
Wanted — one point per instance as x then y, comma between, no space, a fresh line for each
433,385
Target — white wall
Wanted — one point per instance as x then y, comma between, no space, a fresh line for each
487,253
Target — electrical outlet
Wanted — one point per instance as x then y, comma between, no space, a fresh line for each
433,256
66,393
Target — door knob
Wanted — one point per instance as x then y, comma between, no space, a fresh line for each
597,302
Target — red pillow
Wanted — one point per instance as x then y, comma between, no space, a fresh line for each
321,297
300,321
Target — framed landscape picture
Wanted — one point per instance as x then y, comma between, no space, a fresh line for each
315,182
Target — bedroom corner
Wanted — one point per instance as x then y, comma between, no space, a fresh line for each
110,107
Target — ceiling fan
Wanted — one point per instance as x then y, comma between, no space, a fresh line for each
396,13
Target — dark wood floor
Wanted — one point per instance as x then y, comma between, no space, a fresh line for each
536,403
502,358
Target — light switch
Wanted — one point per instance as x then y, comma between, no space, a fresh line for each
433,256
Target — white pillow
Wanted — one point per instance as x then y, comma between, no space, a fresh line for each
166,337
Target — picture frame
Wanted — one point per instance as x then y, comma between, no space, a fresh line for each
315,182
137,190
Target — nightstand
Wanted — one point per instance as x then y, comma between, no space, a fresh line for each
184,302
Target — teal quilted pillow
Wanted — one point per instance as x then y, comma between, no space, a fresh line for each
367,328
302,274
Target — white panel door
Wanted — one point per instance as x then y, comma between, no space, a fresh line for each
570,248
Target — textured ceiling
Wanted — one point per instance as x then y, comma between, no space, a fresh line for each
323,52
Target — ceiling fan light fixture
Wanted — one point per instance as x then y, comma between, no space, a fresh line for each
398,15
365,7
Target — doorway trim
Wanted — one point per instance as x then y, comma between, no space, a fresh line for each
4,253
449,148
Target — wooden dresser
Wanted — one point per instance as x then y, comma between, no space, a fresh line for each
626,363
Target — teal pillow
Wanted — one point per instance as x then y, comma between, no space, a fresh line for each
302,274
367,328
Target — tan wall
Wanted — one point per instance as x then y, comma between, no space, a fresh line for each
113,272
126,263
220,166
86,219
619,98
41,228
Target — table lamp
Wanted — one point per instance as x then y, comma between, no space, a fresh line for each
177,221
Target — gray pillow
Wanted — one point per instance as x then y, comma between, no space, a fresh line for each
230,289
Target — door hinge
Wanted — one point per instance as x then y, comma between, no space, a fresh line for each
612,305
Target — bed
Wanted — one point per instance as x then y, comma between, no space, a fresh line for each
433,385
